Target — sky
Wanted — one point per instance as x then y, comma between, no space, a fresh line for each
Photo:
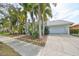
66,11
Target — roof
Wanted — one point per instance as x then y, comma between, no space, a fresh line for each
58,22
75,26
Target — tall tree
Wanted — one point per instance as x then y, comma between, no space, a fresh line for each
41,11
27,8
21,16
13,19
46,13
39,19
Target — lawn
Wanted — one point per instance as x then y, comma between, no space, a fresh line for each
4,33
8,34
5,50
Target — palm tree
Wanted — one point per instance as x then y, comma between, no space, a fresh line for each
5,24
21,16
27,8
12,18
46,13
41,11
5,19
39,18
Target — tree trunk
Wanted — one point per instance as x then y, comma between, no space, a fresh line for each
10,29
39,17
26,27
43,27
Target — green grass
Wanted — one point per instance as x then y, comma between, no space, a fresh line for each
4,33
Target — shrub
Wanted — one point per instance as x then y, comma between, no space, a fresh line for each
33,31
35,34
74,31
46,31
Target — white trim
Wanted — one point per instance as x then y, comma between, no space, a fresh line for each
68,30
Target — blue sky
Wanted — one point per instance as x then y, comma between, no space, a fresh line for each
66,11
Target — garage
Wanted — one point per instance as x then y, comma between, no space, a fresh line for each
59,27
58,30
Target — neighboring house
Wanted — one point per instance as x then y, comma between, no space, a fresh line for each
76,26
75,29
59,27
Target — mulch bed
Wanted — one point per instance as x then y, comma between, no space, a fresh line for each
14,35
39,42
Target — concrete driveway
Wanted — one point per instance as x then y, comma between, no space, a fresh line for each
61,45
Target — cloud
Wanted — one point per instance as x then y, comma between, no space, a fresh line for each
61,12
73,14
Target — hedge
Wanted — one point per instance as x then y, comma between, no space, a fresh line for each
74,31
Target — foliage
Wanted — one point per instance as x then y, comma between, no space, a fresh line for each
46,30
16,19
74,31
34,34
4,33
33,30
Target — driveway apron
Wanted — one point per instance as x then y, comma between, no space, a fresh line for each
61,45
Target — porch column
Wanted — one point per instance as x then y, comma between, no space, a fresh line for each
68,30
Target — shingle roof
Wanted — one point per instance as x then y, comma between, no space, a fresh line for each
58,22
75,25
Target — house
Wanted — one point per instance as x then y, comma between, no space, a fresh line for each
75,26
74,29
59,27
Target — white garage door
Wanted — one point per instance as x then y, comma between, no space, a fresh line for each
58,30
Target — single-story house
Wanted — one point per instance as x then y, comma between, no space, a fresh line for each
74,26
59,27
74,29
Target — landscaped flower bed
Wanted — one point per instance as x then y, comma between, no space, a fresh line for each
40,42
29,39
